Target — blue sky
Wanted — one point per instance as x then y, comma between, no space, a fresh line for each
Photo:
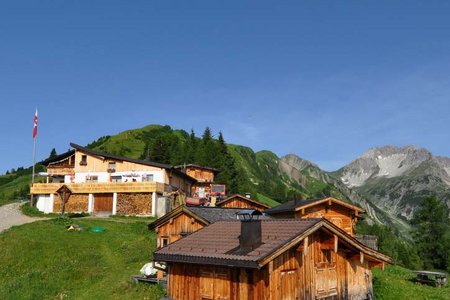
325,80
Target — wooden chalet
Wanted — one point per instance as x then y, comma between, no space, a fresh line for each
105,183
185,220
340,213
243,202
270,259
204,176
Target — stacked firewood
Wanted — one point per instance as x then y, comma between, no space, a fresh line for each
134,204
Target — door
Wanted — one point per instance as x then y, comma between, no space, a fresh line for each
103,203
215,283
288,284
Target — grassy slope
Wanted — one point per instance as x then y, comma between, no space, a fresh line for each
266,200
9,190
396,283
44,261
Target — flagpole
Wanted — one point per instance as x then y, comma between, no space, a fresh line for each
34,154
32,174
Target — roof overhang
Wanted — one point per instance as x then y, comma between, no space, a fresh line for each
175,213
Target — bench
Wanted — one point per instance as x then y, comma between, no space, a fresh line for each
149,279
431,278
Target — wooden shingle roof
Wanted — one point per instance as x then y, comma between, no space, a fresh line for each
204,214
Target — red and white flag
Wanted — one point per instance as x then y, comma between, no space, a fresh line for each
35,124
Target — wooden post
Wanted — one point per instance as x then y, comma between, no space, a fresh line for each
305,246
336,239
361,257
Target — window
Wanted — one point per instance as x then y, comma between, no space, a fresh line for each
148,177
91,178
111,166
164,241
83,161
116,178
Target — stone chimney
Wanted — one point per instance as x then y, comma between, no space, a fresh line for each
250,237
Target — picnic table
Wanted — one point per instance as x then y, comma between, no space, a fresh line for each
432,278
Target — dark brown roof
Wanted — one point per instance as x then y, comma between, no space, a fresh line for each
58,157
243,198
182,167
292,206
137,161
216,243
212,244
203,214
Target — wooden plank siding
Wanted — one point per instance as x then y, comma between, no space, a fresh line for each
240,203
100,187
337,214
173,230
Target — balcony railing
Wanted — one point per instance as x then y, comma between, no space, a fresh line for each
100,187
60,170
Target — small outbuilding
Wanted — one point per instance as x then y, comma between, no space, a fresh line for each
243,202
252,258
344,215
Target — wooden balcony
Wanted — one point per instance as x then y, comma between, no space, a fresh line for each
59,170
100,187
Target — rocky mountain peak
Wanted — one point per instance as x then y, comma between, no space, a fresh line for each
387,161
297,162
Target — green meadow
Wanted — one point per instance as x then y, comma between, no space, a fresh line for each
44,260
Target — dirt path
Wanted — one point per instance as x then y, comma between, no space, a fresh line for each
10,215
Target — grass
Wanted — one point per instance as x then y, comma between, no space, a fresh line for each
43,260
15,189
397,283
266,200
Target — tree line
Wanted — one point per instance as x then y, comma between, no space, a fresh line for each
430,245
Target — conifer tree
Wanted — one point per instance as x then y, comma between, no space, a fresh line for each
432,234
52,153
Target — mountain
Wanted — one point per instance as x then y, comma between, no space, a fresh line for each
396,179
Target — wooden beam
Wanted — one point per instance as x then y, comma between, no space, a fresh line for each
336,239
303,211
330,202
305,246
271,267
361,257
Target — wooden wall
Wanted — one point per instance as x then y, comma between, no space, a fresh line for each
134,204
299,273
241,203
76,203
176,181
172,230
98,164
200,174
337,214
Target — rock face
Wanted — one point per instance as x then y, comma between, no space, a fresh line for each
385,162
395,179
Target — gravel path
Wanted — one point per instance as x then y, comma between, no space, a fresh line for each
10,215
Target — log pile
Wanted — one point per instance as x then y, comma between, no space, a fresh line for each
76,203
134,204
